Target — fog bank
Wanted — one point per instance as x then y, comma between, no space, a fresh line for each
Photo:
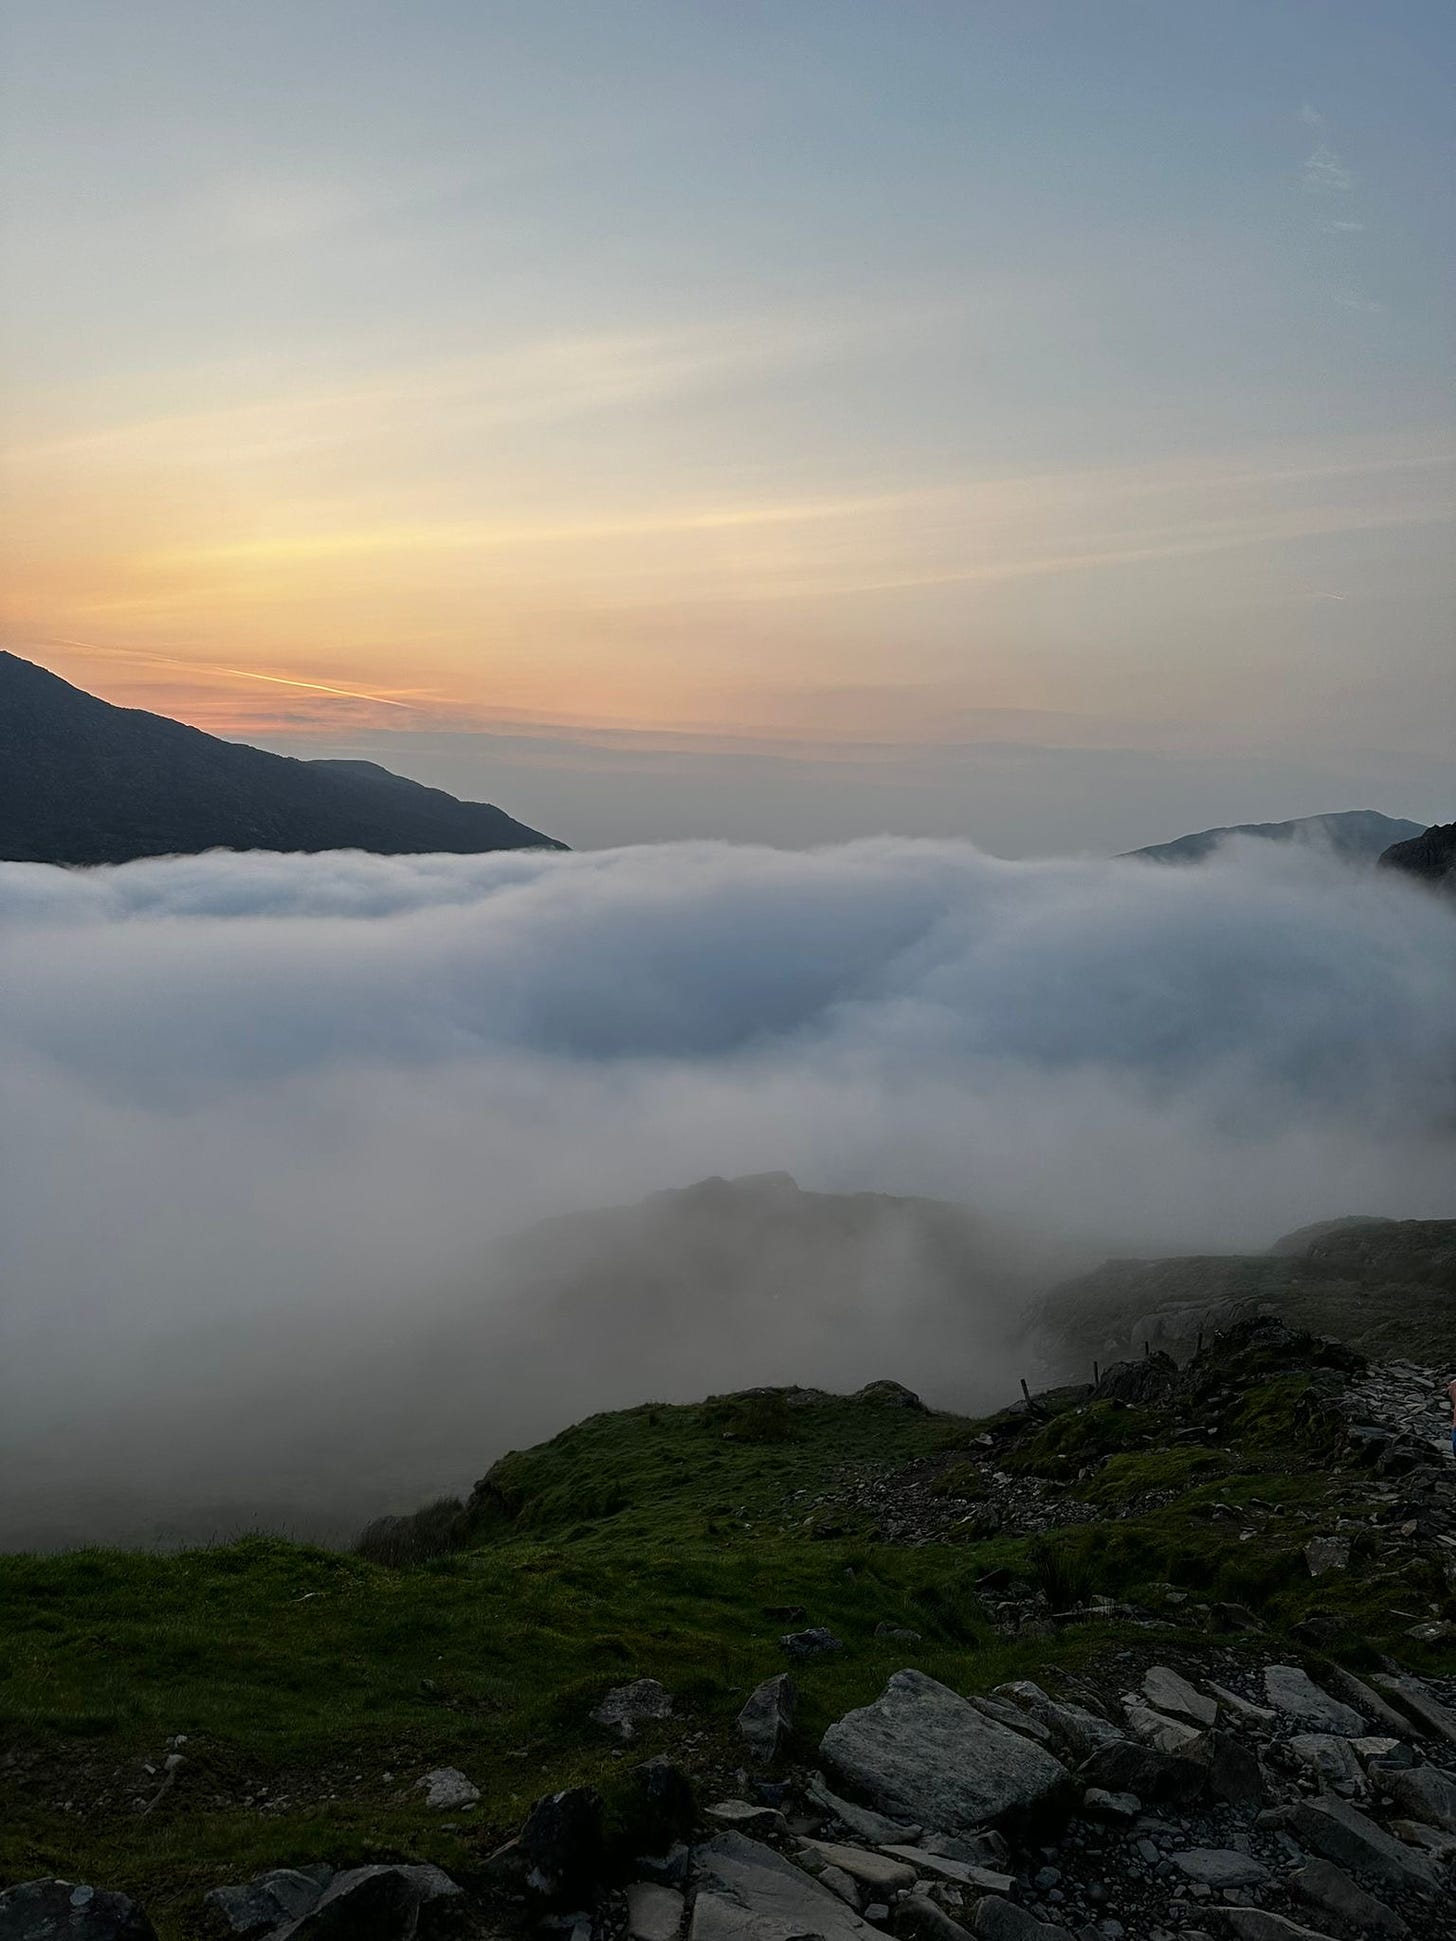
265,1120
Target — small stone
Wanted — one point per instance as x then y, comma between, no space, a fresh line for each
744,1817
626,1707
816,1642
446,1789
1118,1809
1330,1758
1324,1554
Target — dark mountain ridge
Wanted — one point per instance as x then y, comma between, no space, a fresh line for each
1361,835
1431,856
84,782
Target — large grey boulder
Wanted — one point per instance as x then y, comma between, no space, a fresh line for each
921,1753
1294,1693
747,1892
371,1904
768,1718
1338,1832
1422,1793
556,1854
62,1910
1156,1778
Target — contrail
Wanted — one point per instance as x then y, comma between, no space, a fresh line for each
242,673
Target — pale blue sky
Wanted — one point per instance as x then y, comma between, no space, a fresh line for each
785,380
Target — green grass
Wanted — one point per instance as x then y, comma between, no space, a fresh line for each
651,1543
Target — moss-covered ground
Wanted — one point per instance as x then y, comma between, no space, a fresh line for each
314,1687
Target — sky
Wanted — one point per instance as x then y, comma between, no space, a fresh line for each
1030,422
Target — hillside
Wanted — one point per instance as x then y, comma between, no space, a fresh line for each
84,782
1359,835
1195,1538
1384,1287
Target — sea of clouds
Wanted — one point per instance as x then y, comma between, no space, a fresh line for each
256,1109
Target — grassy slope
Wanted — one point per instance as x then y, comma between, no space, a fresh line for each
636,1544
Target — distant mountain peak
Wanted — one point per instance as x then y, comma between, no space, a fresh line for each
83,782
1359,835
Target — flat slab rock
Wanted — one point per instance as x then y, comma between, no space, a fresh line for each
1257,1924
1220,1867
860,1821
970,1873
922,1753
1338,1832
747,1892
1294,1693
1331,1892
1155,1729
1167,1691
883,1872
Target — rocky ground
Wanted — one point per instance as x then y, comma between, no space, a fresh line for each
1213,1779
1153,1801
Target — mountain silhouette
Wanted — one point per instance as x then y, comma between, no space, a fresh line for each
1360,835
82,781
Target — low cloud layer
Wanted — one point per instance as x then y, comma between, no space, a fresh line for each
266,1120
